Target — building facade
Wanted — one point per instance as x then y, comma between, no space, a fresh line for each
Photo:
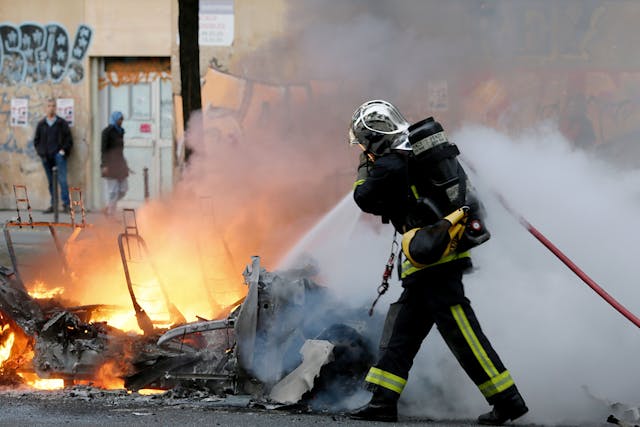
92,57
569,61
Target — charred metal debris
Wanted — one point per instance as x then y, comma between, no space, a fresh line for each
288,341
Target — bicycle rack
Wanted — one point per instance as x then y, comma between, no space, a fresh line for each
22,200
23,209
76,204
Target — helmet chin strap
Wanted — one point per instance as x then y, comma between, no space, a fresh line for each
369,154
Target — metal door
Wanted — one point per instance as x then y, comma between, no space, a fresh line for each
148,117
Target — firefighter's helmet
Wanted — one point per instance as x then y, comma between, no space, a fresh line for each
378,126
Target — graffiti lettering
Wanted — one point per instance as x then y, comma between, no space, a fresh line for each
33,53
11,146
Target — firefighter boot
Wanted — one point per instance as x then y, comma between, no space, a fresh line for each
503,411
383,406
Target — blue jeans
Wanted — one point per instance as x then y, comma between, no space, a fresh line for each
61,163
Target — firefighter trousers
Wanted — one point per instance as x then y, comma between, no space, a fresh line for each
438,297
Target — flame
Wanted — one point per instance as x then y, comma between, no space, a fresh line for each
149,296
15,348
125,320
107,377
7,345
197,266
150,391
48,384
32,380
40,290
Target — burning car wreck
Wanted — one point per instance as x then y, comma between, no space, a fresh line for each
286,342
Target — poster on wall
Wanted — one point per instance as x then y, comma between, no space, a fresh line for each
19,111
215,22
64,107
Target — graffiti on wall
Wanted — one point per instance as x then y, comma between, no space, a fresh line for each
592,108
34,53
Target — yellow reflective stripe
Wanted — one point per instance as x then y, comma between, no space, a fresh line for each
406,242
415,192
386,379
358,182
496,384
472,340
408,268
388,375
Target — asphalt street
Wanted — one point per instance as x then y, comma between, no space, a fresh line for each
116,408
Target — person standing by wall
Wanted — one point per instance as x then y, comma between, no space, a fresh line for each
53,143
113,165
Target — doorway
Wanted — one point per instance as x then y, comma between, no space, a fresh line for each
141,89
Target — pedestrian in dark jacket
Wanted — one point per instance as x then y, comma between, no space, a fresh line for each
113,166
53,143
408,175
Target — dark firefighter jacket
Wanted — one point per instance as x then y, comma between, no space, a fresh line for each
386,191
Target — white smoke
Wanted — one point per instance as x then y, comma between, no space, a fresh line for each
568,350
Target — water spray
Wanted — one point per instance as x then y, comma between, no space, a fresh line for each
562,257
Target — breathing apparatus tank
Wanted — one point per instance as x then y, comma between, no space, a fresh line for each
437,174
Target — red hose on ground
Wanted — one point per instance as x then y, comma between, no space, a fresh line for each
581,274
565,259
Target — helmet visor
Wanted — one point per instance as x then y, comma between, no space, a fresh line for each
381,117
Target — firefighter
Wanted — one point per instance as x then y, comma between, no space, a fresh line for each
438,228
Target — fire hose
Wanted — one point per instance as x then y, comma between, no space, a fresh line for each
565,259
